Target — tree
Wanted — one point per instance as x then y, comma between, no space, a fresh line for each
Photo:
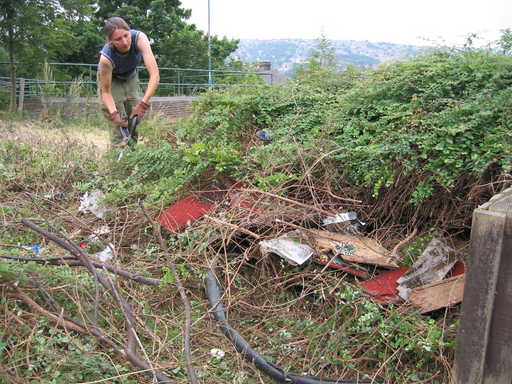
505,42
175,43
33,31
17,21
322,63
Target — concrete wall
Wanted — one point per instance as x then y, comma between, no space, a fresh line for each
173,107
177,106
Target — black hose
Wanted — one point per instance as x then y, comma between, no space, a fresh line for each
214,295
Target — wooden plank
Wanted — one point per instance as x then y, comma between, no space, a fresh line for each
362,249
438,294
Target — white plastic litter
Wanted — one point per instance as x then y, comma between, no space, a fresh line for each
340,218
105,255
434,263
288,247
90,203
217,353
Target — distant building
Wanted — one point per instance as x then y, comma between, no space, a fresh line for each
264,66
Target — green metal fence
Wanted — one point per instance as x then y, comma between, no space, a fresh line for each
79,80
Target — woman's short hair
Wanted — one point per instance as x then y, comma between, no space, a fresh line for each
113,23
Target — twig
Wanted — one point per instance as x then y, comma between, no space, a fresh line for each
330,193
67,323
236,227
188,310
192,377
403,243
58,320
73,262
312,207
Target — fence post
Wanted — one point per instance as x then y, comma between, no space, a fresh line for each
179,84
484,350
21,96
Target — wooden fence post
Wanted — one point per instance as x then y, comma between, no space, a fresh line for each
484,349
21,96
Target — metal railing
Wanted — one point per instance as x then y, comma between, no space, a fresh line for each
81,81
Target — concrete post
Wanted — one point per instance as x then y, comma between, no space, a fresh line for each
484,350
21,95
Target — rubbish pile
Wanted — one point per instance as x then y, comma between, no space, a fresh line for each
273,227
434,281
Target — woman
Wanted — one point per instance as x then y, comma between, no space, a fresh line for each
118,77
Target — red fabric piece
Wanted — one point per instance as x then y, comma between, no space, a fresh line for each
182,212
383,289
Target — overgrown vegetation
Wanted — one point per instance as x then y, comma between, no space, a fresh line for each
417,144
429,130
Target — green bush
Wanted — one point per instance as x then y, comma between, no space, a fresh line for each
430,125
441,115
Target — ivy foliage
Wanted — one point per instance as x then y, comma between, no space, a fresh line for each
442,115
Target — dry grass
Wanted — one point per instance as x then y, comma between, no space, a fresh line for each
34,133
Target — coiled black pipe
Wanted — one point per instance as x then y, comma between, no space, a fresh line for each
214,295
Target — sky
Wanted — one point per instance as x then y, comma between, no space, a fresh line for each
425,22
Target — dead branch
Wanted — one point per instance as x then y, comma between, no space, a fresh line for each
192,377
330,193
110,287
188,310
312,207
403,243
58,320
66,323
73,262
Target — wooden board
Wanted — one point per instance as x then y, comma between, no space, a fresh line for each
439,294
365,250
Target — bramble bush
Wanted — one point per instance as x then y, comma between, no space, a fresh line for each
432,125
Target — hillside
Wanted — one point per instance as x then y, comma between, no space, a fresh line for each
284,54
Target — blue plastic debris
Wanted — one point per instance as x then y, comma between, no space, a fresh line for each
264,135
34,248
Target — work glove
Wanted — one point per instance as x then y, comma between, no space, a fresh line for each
116,119
140,109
